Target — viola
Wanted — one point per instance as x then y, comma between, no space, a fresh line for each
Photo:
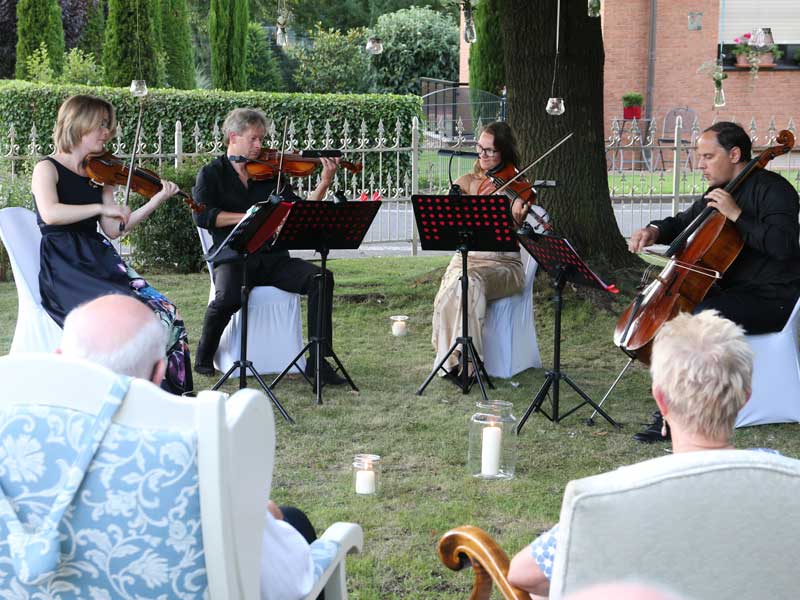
107,169
269,162
508,181
696,259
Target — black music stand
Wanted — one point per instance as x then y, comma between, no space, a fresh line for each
323,226
247,237
464,223
557,256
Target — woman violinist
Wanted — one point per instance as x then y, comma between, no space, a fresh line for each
492,275
77,263
760,288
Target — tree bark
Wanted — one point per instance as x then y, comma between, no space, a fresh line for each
580,208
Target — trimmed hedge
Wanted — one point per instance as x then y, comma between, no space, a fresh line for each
25,104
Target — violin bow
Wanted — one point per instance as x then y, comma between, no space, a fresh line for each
279,183
142,94
531,165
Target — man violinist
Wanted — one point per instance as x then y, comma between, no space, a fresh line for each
227,191
762,285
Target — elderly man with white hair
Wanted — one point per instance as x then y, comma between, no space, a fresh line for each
701,368
122,334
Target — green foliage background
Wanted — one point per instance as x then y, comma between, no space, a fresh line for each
39,21
263,71
91,40
227,30
131,49
175,32
336,63
418,42
486,66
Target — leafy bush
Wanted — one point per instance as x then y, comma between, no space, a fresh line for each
167,240
37,66
39,22
336,62
131,49
486,66
227,30
179,62
417,42
80,67
91,40
263,72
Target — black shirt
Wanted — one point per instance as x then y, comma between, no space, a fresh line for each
218,187
769,263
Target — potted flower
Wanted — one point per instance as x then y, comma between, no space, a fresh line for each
754,57
632,105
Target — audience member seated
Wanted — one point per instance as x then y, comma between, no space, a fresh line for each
122,334
701,369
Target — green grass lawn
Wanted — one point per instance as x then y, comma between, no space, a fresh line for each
425,489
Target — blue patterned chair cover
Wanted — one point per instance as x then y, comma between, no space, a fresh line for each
94,510
322,553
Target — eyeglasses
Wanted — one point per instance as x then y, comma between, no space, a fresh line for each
489,152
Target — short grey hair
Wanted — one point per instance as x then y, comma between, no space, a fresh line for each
704,366
241,119
136,357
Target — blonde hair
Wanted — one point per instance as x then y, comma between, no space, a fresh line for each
77,116
704,366
241,119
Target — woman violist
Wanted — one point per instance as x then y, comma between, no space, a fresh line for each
760,288
77,263
492,275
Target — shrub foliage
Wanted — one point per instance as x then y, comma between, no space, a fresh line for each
39,22
227,30
335,63
131,50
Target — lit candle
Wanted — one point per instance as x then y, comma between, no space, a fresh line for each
399,327
491,443
365,480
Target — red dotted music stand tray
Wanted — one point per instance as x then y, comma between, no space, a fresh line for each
557,256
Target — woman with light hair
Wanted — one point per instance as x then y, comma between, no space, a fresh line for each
78,262
701,368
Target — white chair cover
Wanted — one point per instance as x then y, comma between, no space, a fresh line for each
719,524
35,331
509,332
776,377
274,332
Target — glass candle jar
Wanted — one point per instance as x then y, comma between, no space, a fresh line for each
399,325
492,441
365,473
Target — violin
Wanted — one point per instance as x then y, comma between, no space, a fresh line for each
696,259
269,162
508,181
107,169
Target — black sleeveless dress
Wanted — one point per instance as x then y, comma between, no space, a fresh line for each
78,264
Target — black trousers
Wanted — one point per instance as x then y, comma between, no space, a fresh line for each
290,274
754,313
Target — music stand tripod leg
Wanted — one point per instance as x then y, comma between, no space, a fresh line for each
439,365
243,364
589,401
537,401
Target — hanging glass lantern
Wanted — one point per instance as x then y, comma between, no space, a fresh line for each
492,441
555,107
374,45
470,35
593,8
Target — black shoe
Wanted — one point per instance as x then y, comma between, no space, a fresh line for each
327,374
653,431
204,368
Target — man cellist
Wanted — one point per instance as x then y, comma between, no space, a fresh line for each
759,290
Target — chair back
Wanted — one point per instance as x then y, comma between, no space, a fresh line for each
161,487
205,243
716,524
21,237
688,117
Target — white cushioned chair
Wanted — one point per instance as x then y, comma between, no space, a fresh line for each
718,524
139,493
509,331
35,330
775,396
274,329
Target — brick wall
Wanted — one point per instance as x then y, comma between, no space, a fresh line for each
679,53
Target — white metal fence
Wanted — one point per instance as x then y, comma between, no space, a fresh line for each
649,177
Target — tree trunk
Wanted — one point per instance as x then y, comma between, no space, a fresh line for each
579,207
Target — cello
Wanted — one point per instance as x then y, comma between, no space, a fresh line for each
697,258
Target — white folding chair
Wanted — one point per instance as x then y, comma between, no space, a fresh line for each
274,328
775,396
36,331
509,331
